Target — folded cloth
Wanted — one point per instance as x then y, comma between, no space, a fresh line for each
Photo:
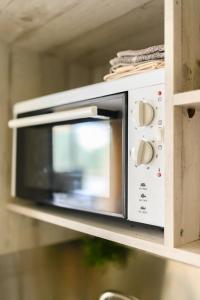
115,62
136,61
149,50
135,69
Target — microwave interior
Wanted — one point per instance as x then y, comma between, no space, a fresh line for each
79,164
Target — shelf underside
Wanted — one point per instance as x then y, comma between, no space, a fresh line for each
140,237
76,28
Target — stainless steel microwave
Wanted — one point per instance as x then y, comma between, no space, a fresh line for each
98,149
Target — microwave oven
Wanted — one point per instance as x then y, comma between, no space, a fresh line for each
97,149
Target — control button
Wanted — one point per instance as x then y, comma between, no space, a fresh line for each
142,154
159,93
143,113
143,184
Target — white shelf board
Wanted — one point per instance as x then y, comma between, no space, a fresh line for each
101,226
187,98
140,237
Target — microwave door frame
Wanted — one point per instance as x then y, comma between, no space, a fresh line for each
50,162
106,114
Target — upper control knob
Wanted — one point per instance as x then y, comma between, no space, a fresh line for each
144,113
142,154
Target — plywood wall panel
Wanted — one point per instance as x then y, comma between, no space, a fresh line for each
18,18
53,74
4,146
78,75
191,46
4,112
26,77
72,21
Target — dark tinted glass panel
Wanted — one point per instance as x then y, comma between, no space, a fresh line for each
75,165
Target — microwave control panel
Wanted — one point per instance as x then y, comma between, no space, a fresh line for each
146,155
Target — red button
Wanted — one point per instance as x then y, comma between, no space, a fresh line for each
159,93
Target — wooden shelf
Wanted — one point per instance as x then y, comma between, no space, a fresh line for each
140,237
187,98
101,226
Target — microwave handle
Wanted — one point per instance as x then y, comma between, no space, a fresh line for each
69,115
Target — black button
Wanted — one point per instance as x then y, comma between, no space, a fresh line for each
143,196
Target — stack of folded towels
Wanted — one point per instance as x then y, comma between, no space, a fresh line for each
136,61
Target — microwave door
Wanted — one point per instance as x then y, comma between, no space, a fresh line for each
72,159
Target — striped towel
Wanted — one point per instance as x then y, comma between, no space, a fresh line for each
149,50
129,60
135,61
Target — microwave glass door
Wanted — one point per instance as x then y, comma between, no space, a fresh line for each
77,164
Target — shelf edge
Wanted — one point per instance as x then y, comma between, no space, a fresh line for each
187,98
181,255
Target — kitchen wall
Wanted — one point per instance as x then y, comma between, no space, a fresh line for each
147,277
59,273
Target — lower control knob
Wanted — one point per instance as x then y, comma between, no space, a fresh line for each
143,153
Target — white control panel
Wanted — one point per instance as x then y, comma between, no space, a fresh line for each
146,155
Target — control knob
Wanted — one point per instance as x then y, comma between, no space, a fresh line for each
143,153
143,113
